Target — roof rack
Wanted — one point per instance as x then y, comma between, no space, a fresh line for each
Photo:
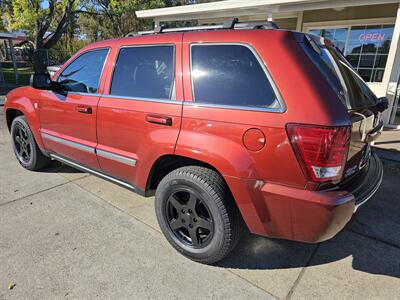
228,24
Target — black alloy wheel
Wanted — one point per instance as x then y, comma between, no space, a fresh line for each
22,143
197,213
189,218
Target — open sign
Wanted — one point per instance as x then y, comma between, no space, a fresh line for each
372,37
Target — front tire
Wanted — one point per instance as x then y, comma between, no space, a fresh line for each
197,214
24,145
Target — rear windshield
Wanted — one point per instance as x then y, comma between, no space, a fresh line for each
350,87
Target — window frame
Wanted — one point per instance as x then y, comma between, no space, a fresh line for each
172,95
101,74
280,109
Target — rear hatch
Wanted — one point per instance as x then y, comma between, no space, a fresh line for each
363,107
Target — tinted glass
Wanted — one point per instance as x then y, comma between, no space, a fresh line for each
83,74
230,75
337,36
366,47
144,72
348,85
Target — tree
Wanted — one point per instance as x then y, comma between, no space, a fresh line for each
113,18
44,21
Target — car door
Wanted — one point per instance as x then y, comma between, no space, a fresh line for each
68,116
139,114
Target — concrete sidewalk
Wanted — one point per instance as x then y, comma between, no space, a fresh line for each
389,140
66,234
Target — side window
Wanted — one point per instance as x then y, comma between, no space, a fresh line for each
230,75
144,72
83,74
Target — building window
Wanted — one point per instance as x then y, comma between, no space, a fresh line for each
366,47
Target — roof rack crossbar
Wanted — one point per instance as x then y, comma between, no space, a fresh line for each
228,24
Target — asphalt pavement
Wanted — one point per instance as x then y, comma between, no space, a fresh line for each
69,235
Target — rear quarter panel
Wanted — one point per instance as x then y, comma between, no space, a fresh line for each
215,135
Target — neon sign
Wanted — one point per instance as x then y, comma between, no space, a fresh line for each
371,37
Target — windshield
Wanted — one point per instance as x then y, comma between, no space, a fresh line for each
349,86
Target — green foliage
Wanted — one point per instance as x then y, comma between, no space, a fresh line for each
113,18
64,49
67,21
26,14
38,17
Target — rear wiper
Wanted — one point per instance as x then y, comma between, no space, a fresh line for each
382,104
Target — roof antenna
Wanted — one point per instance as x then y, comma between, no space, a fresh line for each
230,24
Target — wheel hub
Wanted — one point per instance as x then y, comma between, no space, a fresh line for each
188,217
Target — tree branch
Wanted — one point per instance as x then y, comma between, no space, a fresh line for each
61,27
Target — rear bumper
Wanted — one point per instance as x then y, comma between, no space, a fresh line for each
365,184
307,216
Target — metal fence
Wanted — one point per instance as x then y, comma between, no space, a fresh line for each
18,63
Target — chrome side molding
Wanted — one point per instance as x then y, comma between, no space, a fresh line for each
116,157
106,154
68,143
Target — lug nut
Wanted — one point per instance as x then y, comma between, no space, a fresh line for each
190,211
183,211
195,220
190,225
183,220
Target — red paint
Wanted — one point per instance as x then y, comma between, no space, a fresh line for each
264,176
60,116
254,139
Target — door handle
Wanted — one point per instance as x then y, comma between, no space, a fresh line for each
159,120
84,109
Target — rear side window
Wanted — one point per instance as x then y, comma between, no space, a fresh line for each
83,74
348,85
144,72
230,75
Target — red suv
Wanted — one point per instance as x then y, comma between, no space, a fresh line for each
223,125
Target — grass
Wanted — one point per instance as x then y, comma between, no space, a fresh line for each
24,74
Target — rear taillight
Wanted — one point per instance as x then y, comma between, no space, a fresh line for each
321,151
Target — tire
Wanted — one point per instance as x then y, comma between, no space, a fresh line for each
216,222
24,145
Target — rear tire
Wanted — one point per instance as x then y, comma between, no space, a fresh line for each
24,145
197,214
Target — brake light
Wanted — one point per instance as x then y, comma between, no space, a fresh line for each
321,151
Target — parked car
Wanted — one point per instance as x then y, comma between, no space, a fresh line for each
228,127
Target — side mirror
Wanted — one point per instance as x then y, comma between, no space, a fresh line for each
41,81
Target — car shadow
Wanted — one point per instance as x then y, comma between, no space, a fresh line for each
371,240
58,167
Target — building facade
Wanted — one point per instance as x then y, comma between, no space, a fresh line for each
367,32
